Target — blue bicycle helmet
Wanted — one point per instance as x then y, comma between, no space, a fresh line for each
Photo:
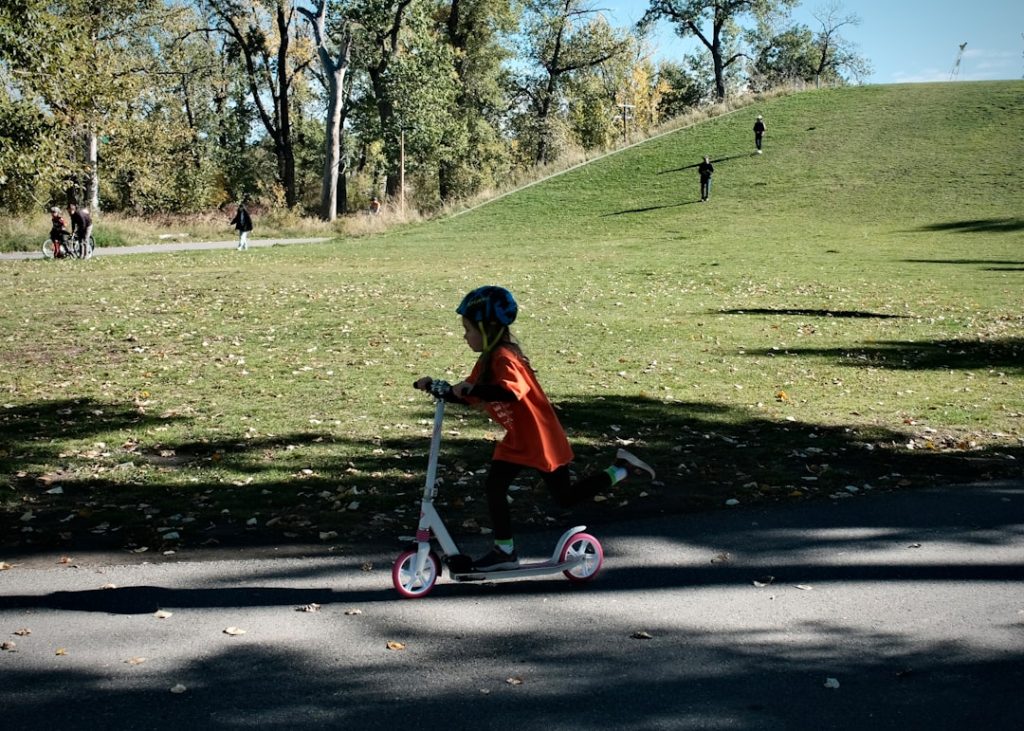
489,304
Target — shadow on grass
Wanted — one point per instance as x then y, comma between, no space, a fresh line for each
649,208
713,161
810,313
759,680
980,225
296,488
1005,354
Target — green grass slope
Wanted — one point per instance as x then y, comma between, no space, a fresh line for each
846,314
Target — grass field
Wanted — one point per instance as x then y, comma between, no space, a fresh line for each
846,314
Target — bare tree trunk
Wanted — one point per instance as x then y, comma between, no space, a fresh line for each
92,185
334,76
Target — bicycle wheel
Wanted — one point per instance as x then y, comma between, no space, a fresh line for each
90,247
48,249
76,249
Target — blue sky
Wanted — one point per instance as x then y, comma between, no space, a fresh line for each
905,40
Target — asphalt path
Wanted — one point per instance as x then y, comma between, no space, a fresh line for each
169,247
885,611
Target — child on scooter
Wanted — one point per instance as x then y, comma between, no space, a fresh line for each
505,384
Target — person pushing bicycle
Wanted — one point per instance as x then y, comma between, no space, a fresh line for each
81,227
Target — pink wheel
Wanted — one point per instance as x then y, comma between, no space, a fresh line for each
587,548
409,584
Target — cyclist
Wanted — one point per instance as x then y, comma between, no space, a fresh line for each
81,227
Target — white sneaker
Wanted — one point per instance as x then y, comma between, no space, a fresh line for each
634,465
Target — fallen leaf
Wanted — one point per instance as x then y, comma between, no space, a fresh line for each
234,631
308,608
135,660
162,614
8,645
514,681
804,587
831,683
392,645
642,636
109,586
4,566
61,651
23,632
763,581
351,612
721,558
178,689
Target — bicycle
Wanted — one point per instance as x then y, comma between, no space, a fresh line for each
68,247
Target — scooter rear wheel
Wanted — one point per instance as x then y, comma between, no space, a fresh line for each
409,584
586,546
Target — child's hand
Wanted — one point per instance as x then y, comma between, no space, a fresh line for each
423,384
462,389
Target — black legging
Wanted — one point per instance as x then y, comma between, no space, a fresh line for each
559,484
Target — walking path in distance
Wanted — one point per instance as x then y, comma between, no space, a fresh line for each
176,246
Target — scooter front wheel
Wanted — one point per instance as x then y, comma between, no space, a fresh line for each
407,582
585,547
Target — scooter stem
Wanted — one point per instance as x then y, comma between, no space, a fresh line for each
435,450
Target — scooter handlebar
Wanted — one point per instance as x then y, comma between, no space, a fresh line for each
437,388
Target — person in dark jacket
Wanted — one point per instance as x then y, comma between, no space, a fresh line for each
758,132
705,169
81,225
243,224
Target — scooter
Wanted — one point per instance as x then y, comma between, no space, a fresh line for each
577,555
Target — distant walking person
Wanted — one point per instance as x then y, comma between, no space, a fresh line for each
758,132
705,169
243,224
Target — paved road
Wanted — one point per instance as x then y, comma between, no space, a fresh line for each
170,246
912,602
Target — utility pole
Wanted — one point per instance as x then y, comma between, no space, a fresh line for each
626,115
401,173
956,65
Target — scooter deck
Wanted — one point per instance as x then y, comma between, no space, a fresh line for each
539,568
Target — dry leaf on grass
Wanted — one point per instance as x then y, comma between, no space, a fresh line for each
135,660
61,651
162,614
392,645
234,631
308,608
642,636
514,681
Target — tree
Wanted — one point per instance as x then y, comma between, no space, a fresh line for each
473,151
262,31
835,53
685,86
561,38
797,53
335,55
692,17
380,26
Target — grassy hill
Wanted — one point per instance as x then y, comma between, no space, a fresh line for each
846,314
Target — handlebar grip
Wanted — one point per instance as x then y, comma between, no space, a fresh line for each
440,389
